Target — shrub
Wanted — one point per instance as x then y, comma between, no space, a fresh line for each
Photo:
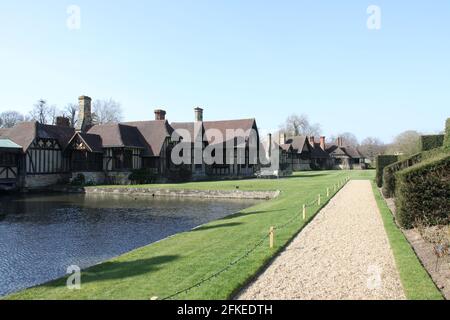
447,134
180,173
79,180
431,142
423,192
382,162
142,176
390,170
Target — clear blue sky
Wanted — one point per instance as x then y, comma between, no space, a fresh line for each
252,58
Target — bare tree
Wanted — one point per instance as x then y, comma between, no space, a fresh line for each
9,119
371,147
296,125
406,143
71,112
107,111
43,113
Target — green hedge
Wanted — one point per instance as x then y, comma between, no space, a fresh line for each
382,162
431,142
390,170
447,134
423,191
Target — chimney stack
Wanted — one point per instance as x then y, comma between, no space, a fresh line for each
269,145
198,114
62,122
84,115
322,143
312,140
282,138
160,114
339,142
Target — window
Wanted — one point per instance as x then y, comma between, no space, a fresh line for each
86,161
8,159
122,159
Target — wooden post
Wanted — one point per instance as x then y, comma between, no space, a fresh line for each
271,236
328,192
318,200
304,212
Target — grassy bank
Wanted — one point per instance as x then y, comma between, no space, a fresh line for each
416,282
164,268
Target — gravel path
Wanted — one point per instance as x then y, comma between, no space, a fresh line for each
343,253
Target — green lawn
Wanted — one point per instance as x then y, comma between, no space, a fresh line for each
165,267
416,282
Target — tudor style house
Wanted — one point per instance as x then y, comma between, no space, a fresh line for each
219,135
300,153
34,155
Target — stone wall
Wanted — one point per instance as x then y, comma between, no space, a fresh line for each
219,194
118,177
91,177
40,181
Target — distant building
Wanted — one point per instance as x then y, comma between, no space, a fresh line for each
300,153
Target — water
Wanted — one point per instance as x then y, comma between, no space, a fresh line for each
41,235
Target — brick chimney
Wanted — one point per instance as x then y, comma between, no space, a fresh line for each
312,140
322,143
198,114
282,138
339,142
84,114
269,145
62,122
160,114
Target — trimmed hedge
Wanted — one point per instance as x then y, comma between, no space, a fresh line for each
382,162
390,170
423,191
430,142
447,134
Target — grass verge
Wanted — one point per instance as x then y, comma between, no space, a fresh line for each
416,282
163,268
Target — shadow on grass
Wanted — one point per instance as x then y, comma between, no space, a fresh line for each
112,270
243,214
223,225
310,175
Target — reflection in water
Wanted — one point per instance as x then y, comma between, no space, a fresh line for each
41,235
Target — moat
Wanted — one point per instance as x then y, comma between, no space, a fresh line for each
43,234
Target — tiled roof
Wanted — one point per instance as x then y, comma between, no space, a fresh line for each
118,135
24,133
318,153
93,141
189,131
154,133
297,142
223,126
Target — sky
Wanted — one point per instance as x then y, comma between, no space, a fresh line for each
236,59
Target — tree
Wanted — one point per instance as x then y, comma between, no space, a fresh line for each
43,113
371,147
296,125
106,111
9,119
71,112
406,143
